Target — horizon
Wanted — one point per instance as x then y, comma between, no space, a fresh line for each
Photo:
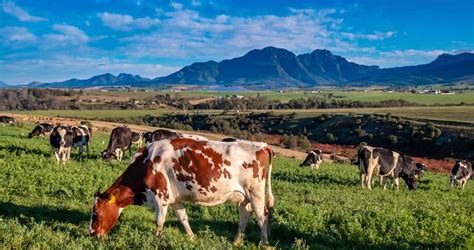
65,39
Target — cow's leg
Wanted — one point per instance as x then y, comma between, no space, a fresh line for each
88,151
183,217
396,183
258,205
160,213
244,216
362,179
464,181
56,154
81,149
369,177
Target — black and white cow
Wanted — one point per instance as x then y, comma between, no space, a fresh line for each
63,138
162,134
385,163
313,159
120,140
41,129
461,173
7,120
137,138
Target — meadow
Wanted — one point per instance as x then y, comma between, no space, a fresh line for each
442,113
45,205
367,96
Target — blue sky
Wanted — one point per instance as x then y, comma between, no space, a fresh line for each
57,40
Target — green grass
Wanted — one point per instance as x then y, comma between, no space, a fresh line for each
446,113
369,96
44,205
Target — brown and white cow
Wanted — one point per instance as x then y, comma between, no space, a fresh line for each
461,173
171,172
313,159
385,163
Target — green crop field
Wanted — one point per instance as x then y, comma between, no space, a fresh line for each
369,96
44,205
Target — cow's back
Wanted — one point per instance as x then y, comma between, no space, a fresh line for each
208,172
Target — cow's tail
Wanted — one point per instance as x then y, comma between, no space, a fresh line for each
269,199
361,157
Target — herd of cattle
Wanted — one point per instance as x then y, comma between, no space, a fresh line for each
174,168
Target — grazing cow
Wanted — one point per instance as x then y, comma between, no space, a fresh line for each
137,138
170,172
230,139
7,120
63,138
382,162
120,140
313,159
41,129
461,173
162,134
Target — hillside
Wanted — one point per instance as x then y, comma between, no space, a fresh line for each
276,68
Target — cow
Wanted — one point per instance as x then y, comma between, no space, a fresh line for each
63,138
385,163
230,139
170,172
162,134
120,140
7,120
137,138
313,159
41,129
461,173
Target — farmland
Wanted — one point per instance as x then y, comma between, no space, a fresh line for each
372,96
447,113
44,205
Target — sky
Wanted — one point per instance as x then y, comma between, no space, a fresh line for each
57,40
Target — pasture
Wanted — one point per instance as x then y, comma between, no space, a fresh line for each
442,113
368,96
44,205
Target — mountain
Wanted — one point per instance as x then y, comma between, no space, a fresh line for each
3,85
444,69
276,68
273,68
108,79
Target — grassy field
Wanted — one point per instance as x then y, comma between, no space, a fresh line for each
447,113
44,205
370,96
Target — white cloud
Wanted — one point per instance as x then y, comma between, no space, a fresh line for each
414,52
185,33
11,8
64,67
127,22
371,37
13,36
66,35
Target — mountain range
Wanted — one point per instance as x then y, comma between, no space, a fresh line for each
276,68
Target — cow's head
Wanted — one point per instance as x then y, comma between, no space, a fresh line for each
459,172
106,155
313,159
105,213
411,172
148,137
61,135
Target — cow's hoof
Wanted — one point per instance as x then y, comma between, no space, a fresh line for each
237,242
159,234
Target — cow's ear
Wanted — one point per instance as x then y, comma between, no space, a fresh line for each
319,151
96,194
113,196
